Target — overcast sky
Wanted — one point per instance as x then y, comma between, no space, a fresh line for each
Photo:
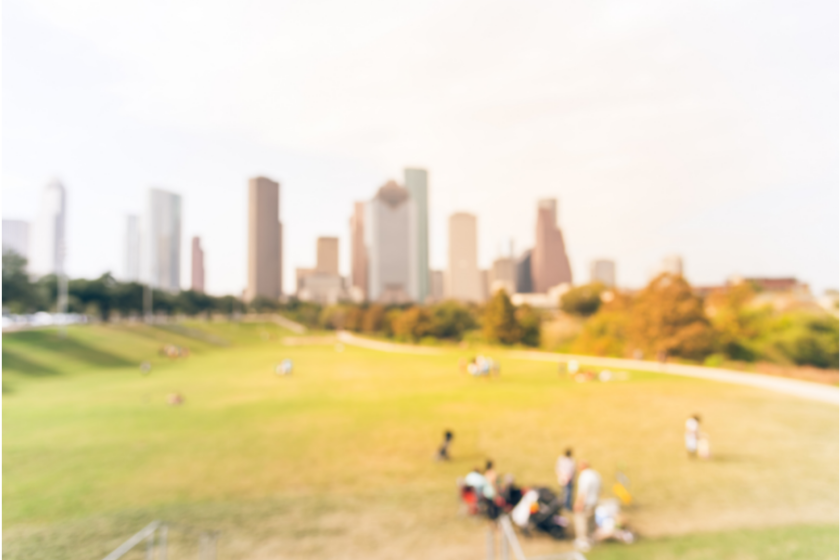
707,129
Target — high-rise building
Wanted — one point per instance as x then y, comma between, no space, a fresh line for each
133,243
16,237
327,255
161,251
390,248
549,262
47,248
436,285
524,284
672,264
463,277
503,276
358,252
417,184
602,271
197,265
265,240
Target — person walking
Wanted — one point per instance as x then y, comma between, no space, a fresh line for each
565,470
443,450
588,492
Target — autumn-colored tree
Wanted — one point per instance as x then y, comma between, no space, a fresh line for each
500,324
605,333
413,324
668,318
373,319
353,318
736,323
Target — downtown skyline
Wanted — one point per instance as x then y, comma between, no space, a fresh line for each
703,152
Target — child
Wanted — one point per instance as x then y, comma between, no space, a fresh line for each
443,451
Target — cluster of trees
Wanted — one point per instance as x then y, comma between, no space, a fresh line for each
667,319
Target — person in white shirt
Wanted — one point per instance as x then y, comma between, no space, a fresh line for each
692,431
588,492
565,470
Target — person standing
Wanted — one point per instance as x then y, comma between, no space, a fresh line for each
565,470
443,450
588,492
692,433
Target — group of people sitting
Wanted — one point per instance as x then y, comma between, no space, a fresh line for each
480,366
539,508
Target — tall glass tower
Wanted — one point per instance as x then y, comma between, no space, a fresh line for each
417,184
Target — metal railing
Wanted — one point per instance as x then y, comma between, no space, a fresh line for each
156,537
510,543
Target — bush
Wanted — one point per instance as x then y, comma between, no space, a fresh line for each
583,300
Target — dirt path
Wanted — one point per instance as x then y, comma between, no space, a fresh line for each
353,340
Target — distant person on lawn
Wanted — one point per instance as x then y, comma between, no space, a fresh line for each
692,434
565,470
443,451
588,492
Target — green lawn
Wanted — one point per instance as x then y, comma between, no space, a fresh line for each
335,461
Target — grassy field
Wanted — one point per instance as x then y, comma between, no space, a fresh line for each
336,460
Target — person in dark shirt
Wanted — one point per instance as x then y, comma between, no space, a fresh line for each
443,451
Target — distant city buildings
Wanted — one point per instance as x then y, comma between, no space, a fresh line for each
417,185
390,243
503,275
358,254
47,244
672,264
549,262
436,285
16,237
197,265
161,250
524,282
602,271
463,277
133,243
327,255
322,284
265,240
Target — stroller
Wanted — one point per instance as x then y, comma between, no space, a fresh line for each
539,509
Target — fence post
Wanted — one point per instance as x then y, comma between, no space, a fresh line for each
491,544
164,534
505,546
150,546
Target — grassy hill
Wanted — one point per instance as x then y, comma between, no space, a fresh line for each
336,460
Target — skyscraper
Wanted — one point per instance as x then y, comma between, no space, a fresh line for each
197,265
463,277
503,276
132,248
161,252
436,285
672,264
524,284
265,240
549,262
417,184
327,256
47,248
390,251
358,251
602,271
16,237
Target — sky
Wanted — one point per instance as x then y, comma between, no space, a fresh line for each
704,129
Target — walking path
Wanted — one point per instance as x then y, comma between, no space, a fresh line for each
793,387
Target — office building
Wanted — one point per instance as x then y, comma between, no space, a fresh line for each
417,185
197,265
503,275
436,286
16,237
47,244
524,284
463,277
389,245
549,262
327,255
358,253
672,264
133,244
161,251
265,240
602,271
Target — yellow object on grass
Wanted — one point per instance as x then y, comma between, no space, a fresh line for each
622,493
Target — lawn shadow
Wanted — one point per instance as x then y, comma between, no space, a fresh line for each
15,362
67,346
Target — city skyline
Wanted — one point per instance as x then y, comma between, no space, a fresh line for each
658,142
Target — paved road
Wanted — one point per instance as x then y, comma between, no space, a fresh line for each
794,387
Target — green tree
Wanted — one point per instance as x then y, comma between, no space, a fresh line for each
374,319
500,324
529,320
413,324
668,318
451,319
19,294
582,300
